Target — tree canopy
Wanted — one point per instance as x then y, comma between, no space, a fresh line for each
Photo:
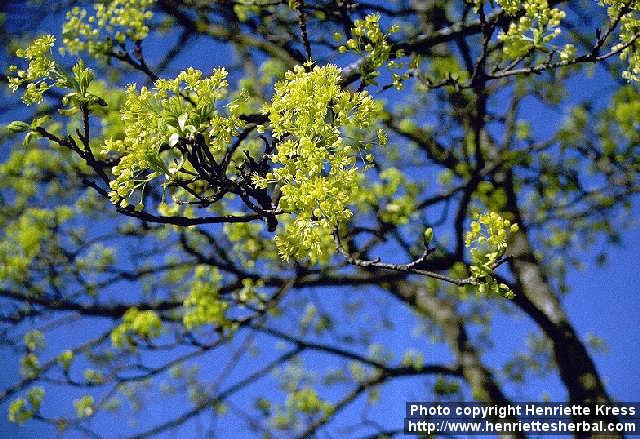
269,212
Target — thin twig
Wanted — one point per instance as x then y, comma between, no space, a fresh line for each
303,27
406,268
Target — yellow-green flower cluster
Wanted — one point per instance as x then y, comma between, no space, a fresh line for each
369,37
85,406
19,412
111,23
22,240
315,167
44,73
533,31
174,109
510,6
302,402
35,397
144,324
488,240
307,401
34,340
93,376
249,245
64,359
373,45
568,53
413,358
397,192
245,10
203,306
306,239
39,74
30,365
629,29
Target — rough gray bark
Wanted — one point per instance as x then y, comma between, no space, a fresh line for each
535,297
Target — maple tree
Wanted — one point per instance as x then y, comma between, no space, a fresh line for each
358,149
